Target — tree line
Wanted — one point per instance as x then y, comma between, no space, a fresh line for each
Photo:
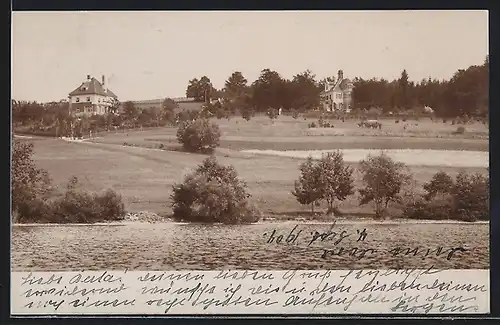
386,181
465,94
55,118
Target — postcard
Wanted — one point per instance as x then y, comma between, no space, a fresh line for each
239,163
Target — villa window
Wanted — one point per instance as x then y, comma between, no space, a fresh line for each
77,99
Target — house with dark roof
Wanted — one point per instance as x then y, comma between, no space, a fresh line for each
337,95
91,98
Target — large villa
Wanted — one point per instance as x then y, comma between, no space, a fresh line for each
337,95
91,98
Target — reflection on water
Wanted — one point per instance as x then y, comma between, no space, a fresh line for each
172,246
411,157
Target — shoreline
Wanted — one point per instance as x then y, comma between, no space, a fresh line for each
338,222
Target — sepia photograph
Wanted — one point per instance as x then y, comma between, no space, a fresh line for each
249,140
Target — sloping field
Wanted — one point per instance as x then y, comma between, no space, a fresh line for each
144,176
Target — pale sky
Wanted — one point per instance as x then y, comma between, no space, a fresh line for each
149,55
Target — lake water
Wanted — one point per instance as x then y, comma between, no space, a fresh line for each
172,246
411,157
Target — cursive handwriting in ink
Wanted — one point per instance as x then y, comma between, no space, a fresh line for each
72,292
45,304
362,234
153,277
166,303
30,279
333,288
358,253
105,277
329,235
428,307
424,253
290,239
111,303
238,275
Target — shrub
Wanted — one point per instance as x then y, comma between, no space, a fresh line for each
441,182
198,135
471,197
111,205
187,115
79,206
213,193
438,208
246,113
312,125
295,114
75,207
272,113
460,130
396,121
35,210
466,199
220,113
321,121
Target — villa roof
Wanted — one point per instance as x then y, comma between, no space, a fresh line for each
343,84
92,87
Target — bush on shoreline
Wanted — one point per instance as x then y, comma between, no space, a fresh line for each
213,194
75,206
465,199
31,189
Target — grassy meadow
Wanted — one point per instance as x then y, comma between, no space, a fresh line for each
144,174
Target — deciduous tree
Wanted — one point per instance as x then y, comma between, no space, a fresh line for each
384,179
308,189
336,179
28,182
